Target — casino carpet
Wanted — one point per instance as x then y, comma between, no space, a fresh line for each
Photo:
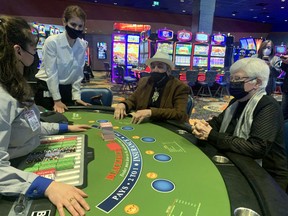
204,107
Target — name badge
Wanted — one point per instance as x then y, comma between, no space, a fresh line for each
32,119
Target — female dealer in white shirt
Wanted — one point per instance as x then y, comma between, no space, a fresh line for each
61,71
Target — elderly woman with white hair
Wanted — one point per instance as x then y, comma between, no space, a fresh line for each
252,124
159,96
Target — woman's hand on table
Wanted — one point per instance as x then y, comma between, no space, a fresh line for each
78,128
81,102
64,195
140,115
120,111
201,129
59,106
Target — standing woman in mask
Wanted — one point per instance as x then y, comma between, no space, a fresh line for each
267,53
61,71
252,124
159,97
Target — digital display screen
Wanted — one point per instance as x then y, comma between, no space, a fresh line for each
218,51
183,49
280,49
102,50
182,61
201,50
132,54
200,37
216,62
244,43
165,47
251,43
200,61
120,38
133,38
119,53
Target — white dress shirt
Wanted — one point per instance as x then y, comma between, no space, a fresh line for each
62,64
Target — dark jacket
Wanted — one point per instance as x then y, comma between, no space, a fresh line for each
173,103
265,140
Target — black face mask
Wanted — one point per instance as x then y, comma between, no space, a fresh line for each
237,90
73,33
156,77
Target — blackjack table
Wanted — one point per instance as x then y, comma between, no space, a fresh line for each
149,169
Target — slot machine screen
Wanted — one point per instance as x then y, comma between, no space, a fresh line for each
216,62
102,50
218,51
201,50
251,43
182,60
200,61
244,43
183,49
165,47
280,50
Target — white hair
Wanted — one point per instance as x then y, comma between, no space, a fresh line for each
253,67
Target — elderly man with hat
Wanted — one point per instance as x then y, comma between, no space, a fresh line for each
159,96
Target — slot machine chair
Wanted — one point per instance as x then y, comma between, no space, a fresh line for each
190,106
175,73
209,81
127,81
97,96
191,79
107,69
223,85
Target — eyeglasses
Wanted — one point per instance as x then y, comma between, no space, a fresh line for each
158,65
239,79
28,51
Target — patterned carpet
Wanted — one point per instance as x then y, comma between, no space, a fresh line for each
204,107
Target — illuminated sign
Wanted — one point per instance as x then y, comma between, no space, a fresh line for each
184,36
202,37
165,34
131,27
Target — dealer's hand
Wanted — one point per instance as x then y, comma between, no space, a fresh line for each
140,115
81,102
201,129
77,128
64,195
120,111
59,106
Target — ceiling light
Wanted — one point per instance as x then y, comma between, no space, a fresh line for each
181,0
255,17
115,3
268,16
183,11
155,3
285,20
282,0
233,14
251,9
282,7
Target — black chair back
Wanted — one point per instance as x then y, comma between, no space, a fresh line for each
97,96
210,77
175,73
192,77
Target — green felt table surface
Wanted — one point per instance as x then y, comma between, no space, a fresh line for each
198,186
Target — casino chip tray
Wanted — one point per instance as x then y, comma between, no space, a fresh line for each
59,157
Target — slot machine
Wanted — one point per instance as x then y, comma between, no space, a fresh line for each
165,42
183,52
200,54
217,52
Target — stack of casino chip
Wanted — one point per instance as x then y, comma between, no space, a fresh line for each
107,131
